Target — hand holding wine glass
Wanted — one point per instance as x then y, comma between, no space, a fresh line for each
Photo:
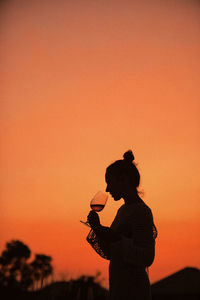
93,219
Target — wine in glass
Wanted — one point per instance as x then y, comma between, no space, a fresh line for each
97,203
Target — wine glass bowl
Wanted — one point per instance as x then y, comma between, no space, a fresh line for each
97,203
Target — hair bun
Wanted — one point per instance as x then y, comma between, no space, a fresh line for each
128,156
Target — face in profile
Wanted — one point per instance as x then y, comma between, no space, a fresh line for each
114,187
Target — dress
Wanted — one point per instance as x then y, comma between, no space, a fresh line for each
132,254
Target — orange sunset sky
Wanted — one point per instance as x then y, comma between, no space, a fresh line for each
82,82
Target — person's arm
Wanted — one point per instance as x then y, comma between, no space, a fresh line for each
104,233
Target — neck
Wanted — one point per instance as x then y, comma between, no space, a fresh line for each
131,197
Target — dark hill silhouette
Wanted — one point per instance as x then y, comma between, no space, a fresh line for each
83,288
184,284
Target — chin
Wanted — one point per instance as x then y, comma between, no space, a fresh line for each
116,198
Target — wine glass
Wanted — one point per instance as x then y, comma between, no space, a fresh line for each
97,203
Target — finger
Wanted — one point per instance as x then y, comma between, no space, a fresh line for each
92,212
90,218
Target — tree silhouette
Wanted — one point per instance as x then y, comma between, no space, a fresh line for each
42,268
14,269
17,272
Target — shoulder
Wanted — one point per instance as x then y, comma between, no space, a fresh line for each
142,207
142,212
135,210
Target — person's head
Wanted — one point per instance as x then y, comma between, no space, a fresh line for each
122,176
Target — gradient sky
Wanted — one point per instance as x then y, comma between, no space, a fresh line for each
81,83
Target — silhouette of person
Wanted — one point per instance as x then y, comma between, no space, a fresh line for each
129,243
